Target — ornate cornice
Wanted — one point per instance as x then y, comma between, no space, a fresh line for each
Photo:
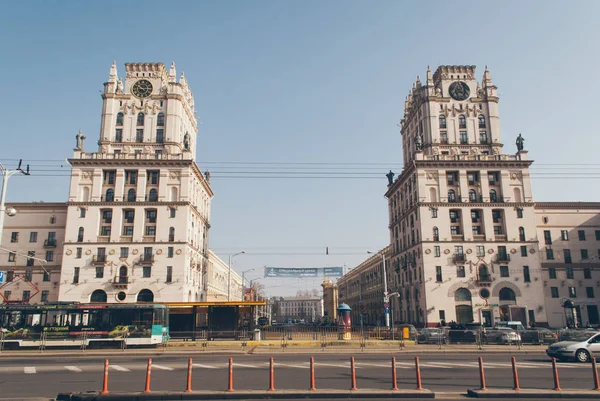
38,205
567,205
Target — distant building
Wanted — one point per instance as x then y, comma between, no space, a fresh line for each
298,309
330,301
215,284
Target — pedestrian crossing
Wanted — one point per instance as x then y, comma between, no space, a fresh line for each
283,365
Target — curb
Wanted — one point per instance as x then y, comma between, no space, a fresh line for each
245,395
533,393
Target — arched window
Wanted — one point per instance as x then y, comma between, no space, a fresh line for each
80,235
153,196
481,121
462,294
442,121
131,195
160,119
110,195
123,275
98,296
171,234
521,234
493,195
436,234
472,195
140,119
507,294
451,196
484,274
145,296
462,121
120,119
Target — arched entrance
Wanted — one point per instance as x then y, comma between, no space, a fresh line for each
98,296
464,308
145,296
507,297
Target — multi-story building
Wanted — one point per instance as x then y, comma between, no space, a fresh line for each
330,300
298,309
31,252
218,275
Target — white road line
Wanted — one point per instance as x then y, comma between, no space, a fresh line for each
161,367
494,365
73,369
29,369
285,365
457,365
435,365
241,365
119,368
317,364
541,365
404,365
199,365
379,365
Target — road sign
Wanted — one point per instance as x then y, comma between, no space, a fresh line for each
386,305
386,311
1,277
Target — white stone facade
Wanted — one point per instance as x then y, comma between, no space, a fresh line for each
298,308
218,277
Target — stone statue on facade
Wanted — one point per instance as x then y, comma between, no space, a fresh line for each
186,141
390,177
418,143
207,176
520,142
79,138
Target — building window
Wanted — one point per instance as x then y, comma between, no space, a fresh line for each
480,250
109,177
82,212
519,213
493,178
78,253
564,235
110,195
524,251
129,216
572,292
172,212
481,119
10,276
526,275
170,252
455,230
160,135
33,236
584,254
476,230
160,119
26,295
49,256
442,121
454,216
80,235
597,232
434,213
462,121
438,274
547,237
436,234
28,275
119,135
483,138
139,135
498,230
549,254
46,276
589,292
587,272
451,196
460,271
171,234
146,271
552,272
14,237
120,119
581,234
169,274
444,137
437,251
124,252
140,119
521,234
504,271
75,275
569,271
464,139
493,195
128,231
100,272
554,292
150,231
472,195
45,295
131,195
153,196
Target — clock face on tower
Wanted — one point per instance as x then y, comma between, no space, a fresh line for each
459,90
142,88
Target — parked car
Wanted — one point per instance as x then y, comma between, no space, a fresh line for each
500,335
461,336
432,336
538,336
582,347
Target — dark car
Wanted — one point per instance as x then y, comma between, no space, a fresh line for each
432,336
538,336
462,336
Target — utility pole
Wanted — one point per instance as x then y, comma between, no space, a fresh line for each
386,299
6,174
229,274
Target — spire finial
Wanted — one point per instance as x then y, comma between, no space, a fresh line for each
173,72
112,76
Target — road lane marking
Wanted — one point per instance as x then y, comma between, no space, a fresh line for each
379,365
435,365
29,369
285,365
456,365
241,365
332,365
199,365
161,367
73,369
119,368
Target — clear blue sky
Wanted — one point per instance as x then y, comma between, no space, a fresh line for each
310,81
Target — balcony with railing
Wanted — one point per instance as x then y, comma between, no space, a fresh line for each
50,243
147,259
121,282
502,258
459,258
99,259
484,279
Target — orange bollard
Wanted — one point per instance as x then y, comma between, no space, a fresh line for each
271,375
230,389
481,375
188,388
353,374
105,381
148,375
596,382
515,373
555,373
418,369
394,378
312,374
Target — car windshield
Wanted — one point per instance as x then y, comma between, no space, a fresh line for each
583,336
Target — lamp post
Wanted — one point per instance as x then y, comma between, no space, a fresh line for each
393,294
386,299
6,174
229,274
244,281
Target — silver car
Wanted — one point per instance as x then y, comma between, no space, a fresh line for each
582,347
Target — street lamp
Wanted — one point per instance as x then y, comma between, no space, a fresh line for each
229,274
244,281
386,299
6,174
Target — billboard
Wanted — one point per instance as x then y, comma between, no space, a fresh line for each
300,272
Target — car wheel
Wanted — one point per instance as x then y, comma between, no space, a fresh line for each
582,356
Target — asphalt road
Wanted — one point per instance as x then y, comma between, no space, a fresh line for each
47,375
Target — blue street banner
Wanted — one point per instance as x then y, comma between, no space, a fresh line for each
1,277
304,272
